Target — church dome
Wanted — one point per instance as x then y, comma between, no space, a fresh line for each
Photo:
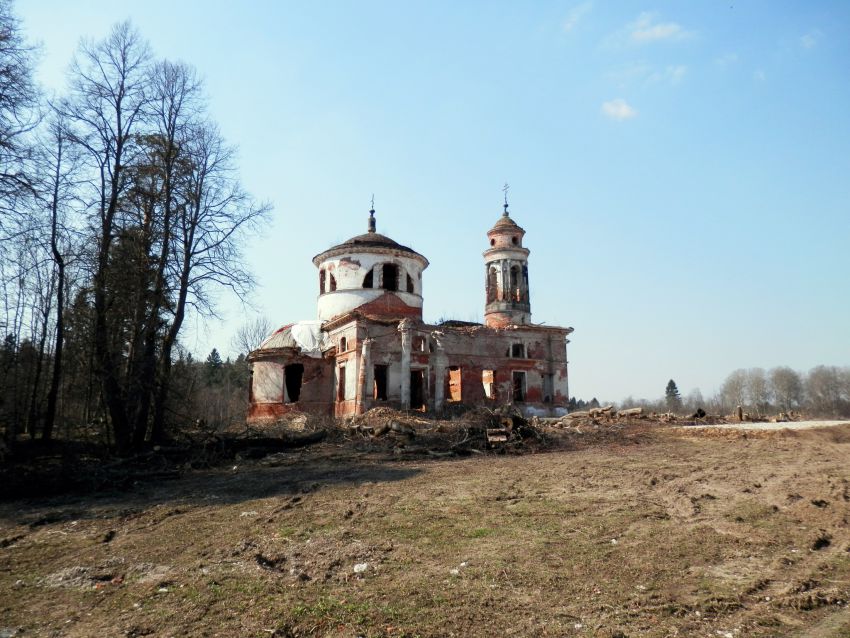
370,272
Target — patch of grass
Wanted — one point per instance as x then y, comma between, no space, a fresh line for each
329,610
480,532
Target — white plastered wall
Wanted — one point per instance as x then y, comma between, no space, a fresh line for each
267,382
349,272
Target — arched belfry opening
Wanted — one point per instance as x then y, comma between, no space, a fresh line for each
506,260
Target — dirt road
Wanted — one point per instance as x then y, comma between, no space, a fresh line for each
656,532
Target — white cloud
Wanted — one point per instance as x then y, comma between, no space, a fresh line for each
575,15
672,74
643,73
618,109
727,59
811,38
645,29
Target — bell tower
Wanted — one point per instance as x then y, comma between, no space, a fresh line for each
506,283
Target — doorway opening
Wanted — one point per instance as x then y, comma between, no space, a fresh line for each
417,389
519,385
293,374
379,391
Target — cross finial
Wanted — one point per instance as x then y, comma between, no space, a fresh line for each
372,215
505,190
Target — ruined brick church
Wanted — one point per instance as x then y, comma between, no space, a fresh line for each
370,347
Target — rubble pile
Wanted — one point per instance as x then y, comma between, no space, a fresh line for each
607,416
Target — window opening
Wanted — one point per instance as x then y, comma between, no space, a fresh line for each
548,388
367,280
492,242
390,277
340,388
514,241
454,393
515,283
343,343
519,385
409,284
293,374
417,389
380,386
419,344
492,285
518,351
321,281
488,378
333,283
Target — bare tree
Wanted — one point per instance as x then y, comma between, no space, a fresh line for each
58,161
694,400
757,389
824,389
18,110
733,390
109,94
787,387
212,222
251,334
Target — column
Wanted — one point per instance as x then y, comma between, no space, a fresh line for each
404,327
439,360
363,396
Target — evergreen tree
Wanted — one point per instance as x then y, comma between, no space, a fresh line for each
672,397
213,367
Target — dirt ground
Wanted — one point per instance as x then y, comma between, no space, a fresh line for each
657,531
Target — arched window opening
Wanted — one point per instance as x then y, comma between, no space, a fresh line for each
333,283
389,274
514,241
492,242
367,280
419,344
410,284
515,290
518,351
321,281
492,285
343,343
525,283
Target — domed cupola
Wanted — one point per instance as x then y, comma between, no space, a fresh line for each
370,272
506,262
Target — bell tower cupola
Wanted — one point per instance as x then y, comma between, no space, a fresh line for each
506,283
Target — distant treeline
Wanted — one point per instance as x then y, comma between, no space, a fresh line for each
823,391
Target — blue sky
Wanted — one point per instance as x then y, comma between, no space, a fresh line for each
682,169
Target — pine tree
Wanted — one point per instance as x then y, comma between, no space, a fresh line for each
672,397
213,368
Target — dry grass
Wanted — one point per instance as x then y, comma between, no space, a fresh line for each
649,533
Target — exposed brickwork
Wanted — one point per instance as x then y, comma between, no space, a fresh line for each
380,352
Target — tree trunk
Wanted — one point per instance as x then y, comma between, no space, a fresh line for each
56,378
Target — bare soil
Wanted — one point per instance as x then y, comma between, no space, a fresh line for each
646,530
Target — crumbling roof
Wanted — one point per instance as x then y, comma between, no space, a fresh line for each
306,335
455,323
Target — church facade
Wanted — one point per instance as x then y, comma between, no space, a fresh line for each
370,347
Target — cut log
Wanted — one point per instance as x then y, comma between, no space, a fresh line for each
630,412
